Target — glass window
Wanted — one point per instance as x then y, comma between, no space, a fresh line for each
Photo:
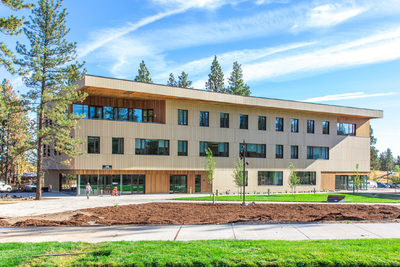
346,129
224,120
108,113
122,114
325,127
151,147
137,115
294,152
294,127
148,115
204,118
182,117
315,152
80,110
270,178
279,151
254,150
96,112
262,123
93,145
244,122
307,178
218,149
182,148
118,145
279,124
310,126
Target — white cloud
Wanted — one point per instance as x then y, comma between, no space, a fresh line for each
345,96
328,14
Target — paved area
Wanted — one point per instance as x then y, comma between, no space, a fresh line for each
94,234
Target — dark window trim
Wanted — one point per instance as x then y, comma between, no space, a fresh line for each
123,145
276,154
264,123
246,121
311,126
224,122
185,152
279,124
185,117
94,144
201,118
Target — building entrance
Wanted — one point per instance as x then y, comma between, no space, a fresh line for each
177,184
108,182
197,183
133,184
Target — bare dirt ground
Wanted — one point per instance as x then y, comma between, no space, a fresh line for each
204,213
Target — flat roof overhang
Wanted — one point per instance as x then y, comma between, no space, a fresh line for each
125,89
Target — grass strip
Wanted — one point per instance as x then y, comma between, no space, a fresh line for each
320,197
357,252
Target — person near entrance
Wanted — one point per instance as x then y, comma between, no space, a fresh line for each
88,190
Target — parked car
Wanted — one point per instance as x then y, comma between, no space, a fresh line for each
390,185
30,187
5,187
381,185
372,184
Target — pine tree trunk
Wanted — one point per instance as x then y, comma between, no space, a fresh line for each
40,145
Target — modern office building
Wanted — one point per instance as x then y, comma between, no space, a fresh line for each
149,138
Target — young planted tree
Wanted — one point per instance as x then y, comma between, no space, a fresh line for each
10,26
209,167
50,73
171,81
236,83
183,81
356,178
238,175
293,180
144,74
215,81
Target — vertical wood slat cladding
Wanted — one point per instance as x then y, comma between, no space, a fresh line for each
157,105
362,125
328,181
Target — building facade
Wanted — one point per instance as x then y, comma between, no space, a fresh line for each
149,138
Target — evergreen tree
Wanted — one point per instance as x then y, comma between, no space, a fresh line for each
374,161
236,83
144,74
183,81
386,160
49,73
14,135
215,81
10,26
171,81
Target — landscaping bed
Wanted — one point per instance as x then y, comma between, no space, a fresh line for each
207,213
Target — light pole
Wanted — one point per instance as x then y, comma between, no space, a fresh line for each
242,155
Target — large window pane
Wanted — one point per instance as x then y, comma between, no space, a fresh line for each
93,145
294,152
108,113
118,145
137,115
204,118
224,120
254,150
279,151
244,122
294,126
307,178
310,126
182,148
151,147
262,123
346,129
325,127
182,117
279,124
314,152
270,178
218,149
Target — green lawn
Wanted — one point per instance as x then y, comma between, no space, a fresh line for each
367,252
350,197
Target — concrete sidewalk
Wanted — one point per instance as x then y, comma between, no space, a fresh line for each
94,234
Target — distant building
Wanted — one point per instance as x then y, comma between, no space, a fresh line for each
149,138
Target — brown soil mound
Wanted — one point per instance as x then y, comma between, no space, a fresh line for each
4,223
199,213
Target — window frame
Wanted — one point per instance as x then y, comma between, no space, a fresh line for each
311,126
204,145
279,124
119,146
224,120
204,119
262,123
269,175
94,144
184,148
279,148
184,114
294,152
325,153
325,127
263,147
294,125
243,121
144,147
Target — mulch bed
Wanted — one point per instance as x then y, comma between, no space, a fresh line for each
205,213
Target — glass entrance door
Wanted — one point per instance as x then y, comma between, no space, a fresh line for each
177,184
197,183
133,184
108,182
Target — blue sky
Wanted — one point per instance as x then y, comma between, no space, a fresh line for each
332,52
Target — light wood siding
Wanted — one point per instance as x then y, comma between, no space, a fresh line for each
328,181
362,125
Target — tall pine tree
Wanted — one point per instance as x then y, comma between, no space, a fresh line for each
10,26
144,74
374,161
50,73
171,81
236,83
215,78
183,81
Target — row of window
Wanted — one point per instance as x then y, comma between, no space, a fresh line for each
113,113
276,178
342,128
219,149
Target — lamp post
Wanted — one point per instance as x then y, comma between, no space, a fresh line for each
242,155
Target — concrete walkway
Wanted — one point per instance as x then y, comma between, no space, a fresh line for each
94,234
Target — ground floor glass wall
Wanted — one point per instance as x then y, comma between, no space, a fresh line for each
346,182
177,183
107,184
